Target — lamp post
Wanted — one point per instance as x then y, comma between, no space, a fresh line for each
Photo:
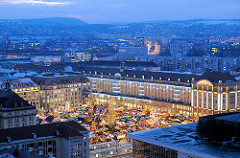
117,141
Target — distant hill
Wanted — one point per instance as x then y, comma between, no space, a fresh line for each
196,21
57,20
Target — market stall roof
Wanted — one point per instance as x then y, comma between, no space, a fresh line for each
83,116
92,136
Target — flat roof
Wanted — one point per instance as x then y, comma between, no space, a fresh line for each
56,74
182,138
232,117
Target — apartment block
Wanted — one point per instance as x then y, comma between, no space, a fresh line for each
25,88
62,91
14,111
173,92
61,140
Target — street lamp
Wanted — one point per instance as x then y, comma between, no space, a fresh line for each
117,141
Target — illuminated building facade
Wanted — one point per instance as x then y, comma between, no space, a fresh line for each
181,93
15,111
198,64
77,56
142,89
62,91
215,93
25,88
61,140
153,48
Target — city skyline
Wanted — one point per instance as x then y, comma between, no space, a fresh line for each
107,11
119,78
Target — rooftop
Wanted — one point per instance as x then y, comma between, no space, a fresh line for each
19,83
160,75
182,138
216,77
56,74
66,130
58,78
221,128
18,153
139,74
10,100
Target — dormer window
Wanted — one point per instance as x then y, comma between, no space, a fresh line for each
57,133
34,135
8,139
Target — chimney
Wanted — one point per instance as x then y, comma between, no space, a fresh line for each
122,66
8,139
34,135
57,133
7,86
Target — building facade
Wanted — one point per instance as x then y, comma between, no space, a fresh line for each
14,111
198,65
77,56
132,53
25,88
180,141
194,140
61,140
62,91
167,91
215,93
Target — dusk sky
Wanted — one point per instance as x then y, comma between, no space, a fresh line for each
97,11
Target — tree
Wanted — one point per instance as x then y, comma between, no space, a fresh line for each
111,113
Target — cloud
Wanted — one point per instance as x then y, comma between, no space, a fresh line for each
41,2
